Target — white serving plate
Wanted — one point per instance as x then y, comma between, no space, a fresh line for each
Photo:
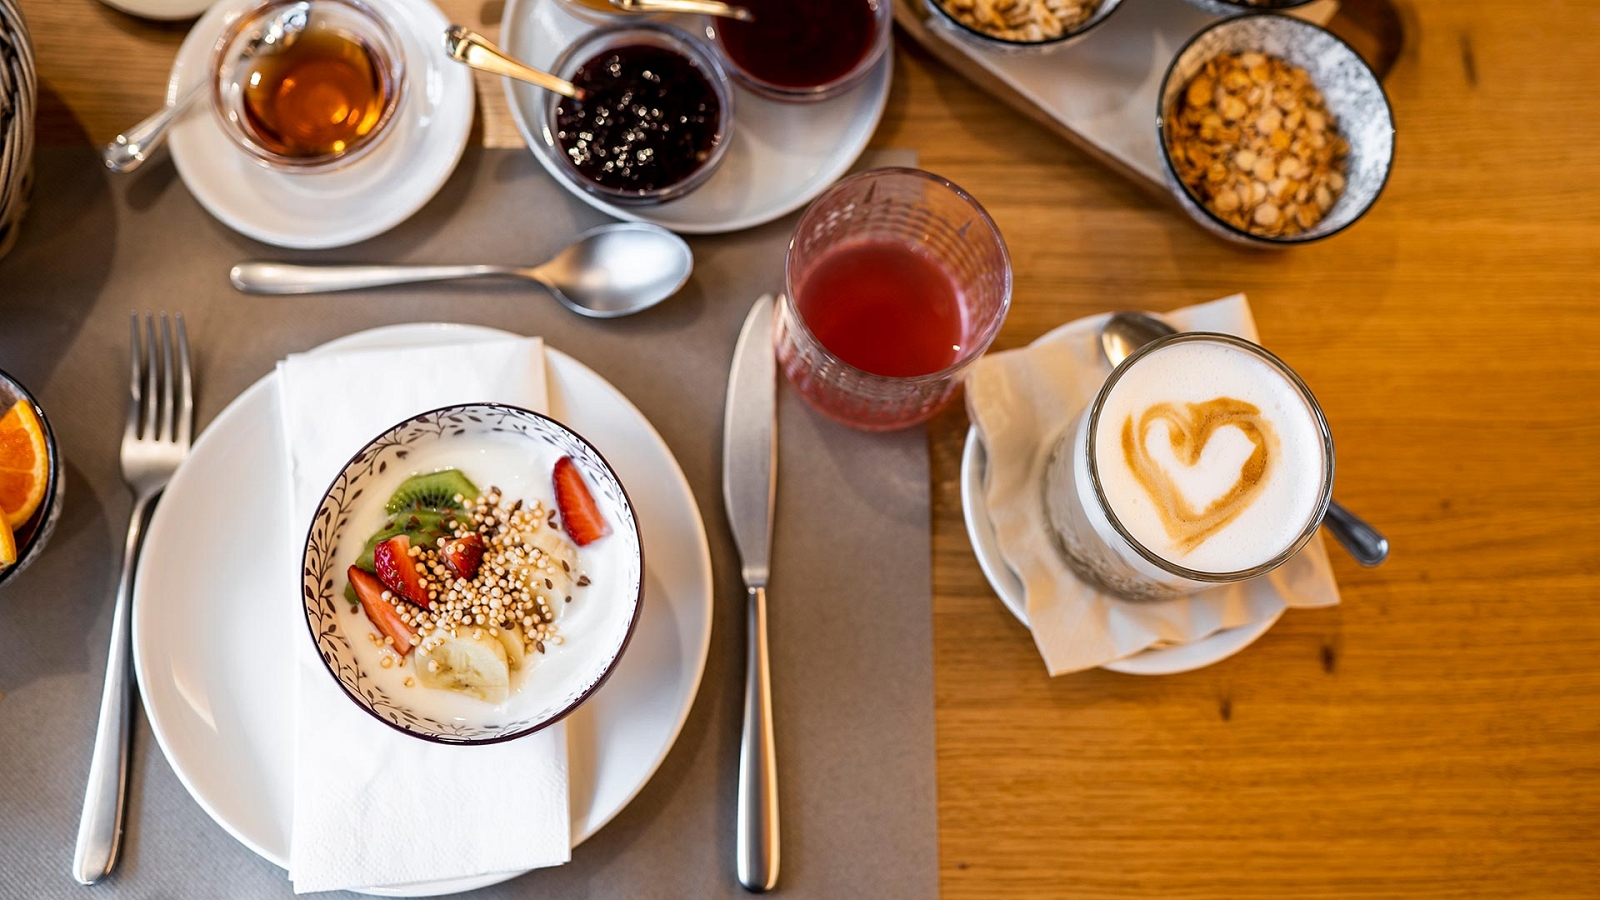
781,155
209,634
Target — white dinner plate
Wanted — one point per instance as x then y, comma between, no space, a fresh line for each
211,637
782,154
1168,660
313,210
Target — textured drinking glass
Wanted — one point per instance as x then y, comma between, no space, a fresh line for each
1095,543
940,221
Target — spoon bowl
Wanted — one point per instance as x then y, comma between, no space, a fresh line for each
608,272
1125,332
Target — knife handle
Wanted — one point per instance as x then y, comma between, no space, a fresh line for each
757,844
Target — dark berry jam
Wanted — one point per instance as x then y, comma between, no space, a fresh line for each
649,118
800,44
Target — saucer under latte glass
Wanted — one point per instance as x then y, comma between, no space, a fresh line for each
321,101
1203,460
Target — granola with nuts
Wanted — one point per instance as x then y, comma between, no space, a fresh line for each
1253,141
1029,21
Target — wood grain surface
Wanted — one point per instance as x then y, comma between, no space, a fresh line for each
1436,735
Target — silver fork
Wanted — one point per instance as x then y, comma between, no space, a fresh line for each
155,440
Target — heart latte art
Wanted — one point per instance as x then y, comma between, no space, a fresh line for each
1203,454
1189,429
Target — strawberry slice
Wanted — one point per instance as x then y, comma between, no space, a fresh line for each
379,611
579,513
399,571
463,555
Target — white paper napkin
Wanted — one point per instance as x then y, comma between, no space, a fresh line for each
372,806
1021,400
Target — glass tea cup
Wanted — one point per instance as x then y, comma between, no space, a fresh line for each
1090,522
897,281
322,99
31,534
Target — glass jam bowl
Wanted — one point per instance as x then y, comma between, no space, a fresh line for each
606,147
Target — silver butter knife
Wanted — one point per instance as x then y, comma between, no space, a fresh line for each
749,477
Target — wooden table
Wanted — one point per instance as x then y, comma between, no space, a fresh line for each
1436,735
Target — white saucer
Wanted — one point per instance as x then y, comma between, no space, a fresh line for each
329,209
160,10
1156,661
782,155
208,640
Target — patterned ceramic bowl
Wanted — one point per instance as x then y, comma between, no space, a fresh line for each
944,19
491,443
33,534
1234,7
1353,93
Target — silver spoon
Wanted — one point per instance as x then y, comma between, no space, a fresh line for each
1126,332
703,7
610,271
475,51
131,148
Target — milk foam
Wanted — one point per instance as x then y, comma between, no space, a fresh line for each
1268,514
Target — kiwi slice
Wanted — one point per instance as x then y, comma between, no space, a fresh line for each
433,490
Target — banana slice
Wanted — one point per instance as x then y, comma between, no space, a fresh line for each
558,566
516,650
475,666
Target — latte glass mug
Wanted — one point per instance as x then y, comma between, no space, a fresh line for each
1101,549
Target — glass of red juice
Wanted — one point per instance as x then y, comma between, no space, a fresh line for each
897,281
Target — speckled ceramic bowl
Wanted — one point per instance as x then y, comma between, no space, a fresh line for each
1354,97
564,679
1234,7
33,534
943,19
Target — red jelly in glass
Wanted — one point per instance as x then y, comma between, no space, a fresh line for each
800,45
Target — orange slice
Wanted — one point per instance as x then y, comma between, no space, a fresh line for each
24,464
8,546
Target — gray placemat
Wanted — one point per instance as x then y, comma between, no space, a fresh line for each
851,620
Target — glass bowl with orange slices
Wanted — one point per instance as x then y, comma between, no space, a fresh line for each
30,479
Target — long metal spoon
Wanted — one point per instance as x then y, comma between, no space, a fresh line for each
1126,332
610,271
703,7
476,51
130,149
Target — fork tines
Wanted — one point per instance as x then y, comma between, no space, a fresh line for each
160,400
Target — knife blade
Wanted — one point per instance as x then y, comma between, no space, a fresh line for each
749,480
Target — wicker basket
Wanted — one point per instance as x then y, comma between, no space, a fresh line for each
19,94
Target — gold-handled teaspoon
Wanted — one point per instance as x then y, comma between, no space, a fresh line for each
702,7
472,49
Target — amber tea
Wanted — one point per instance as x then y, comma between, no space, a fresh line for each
318,97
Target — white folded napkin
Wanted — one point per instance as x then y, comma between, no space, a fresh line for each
1021,400
374,807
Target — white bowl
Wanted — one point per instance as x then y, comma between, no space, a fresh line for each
564,678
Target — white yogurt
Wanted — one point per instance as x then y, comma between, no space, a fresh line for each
592,623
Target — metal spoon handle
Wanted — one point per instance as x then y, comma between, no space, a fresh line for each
467,46
1364,542
262,277
131,148
702,7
